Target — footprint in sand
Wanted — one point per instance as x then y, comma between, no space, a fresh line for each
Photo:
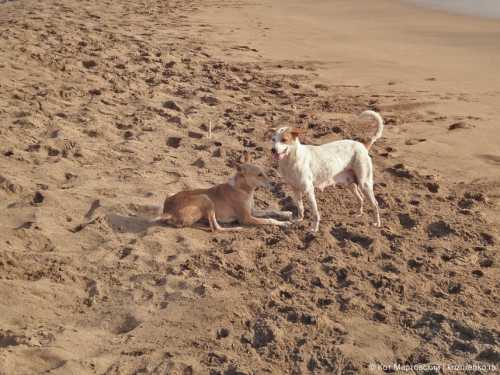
414,141
174,142
9,338
195,135
89,64
128,324
490,159
460,125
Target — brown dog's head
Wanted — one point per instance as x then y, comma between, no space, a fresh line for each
284,139
251,175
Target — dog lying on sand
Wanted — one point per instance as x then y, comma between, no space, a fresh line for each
230,202
346,162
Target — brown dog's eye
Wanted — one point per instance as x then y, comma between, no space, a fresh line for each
260,175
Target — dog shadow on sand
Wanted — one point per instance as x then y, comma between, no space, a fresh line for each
131,224
142,218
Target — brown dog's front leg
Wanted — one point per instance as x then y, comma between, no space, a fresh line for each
251,220
214,224
287,215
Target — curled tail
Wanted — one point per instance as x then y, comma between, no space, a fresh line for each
380,126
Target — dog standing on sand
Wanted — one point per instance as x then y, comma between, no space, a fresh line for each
225,203
346,162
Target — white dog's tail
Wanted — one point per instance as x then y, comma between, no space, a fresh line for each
380,126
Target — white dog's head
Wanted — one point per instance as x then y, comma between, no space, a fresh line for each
284,140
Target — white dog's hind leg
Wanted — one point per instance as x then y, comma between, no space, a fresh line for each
367,189
297,198
354,188
312,201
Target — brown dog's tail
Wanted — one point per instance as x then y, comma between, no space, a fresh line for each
380,126
163,214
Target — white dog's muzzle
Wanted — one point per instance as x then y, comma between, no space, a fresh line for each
278,155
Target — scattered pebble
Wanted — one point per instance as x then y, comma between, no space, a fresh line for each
222,333
406,221
454,288
459,125
170,104
439,229
200,163
195,135
210,100
400,170
38,198
414,141
263,334
433,187
218,153
89,64
174,142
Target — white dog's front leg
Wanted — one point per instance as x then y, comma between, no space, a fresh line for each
297,198
314,206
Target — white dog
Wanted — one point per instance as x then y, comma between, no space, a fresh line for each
306,167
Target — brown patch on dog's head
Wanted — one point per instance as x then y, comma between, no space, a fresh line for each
290,135
283,140
296,132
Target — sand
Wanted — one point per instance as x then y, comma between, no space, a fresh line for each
442,67
105,107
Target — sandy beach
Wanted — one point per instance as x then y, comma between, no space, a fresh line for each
105,108
442,67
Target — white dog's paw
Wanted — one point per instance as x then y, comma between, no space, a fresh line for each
285,224
287,214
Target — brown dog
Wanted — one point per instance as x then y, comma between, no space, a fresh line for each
225,203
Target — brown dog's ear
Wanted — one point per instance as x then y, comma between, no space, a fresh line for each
270,131
246,157
296,132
